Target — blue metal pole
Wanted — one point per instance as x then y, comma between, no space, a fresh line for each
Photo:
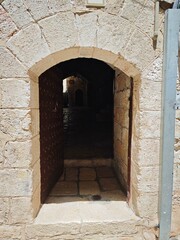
170,66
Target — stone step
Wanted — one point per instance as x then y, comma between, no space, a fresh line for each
85,220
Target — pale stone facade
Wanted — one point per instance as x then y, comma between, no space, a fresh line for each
36,35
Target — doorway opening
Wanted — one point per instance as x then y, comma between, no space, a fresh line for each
84,131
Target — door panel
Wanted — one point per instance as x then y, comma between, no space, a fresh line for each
51,129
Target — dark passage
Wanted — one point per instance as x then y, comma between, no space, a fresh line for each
76,116
88,109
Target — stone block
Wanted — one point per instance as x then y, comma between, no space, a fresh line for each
38,8
132,9
12,68
35,126
145,204
148,152
109,184
145,21
59,6
86,52
113,32
87,25
36,178
15,182
64,188
146,178
104,172
175,229
150,96
34,97
35,149
153,72
36,202
4,210
87,174
88,188
139,50
60,31
15,123
15,93
20,210
7,26
17,154
149,124
71,174
149,235
29,45
18,12
104,55
9,232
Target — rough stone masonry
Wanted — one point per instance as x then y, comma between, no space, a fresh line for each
35,36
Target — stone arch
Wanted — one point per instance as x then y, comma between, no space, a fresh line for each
123,69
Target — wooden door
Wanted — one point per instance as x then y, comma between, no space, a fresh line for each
51,129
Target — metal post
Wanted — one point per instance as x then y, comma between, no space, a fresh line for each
170,66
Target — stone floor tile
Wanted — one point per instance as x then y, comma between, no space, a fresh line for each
88,188
65,199
104,172
64,188
109,184
61,177
87,174
115,195
71,174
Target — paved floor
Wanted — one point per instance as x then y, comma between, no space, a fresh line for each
86,184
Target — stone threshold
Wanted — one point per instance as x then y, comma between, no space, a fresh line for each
85,212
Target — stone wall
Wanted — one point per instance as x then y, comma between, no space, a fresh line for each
37,35
121,126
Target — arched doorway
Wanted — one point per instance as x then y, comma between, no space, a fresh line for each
101,130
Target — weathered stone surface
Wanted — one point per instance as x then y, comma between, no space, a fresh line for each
15,123
109,184
60,31
7,26
20,210
15,182
18,12
149,235
148,152
17,154
92,188
8,232
104,172
71,174
38,8
154,71
87,174
64,188
145,20
150,96
60,6
132,9
84,23
149,124
4,210
113,32
29,45
11,66
19,97
139,50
